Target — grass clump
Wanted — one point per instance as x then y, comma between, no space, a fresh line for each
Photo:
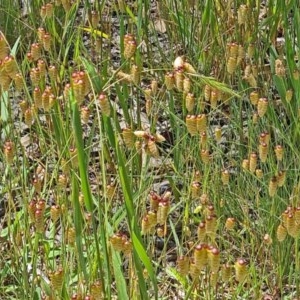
147,154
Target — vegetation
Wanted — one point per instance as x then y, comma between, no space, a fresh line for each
150,149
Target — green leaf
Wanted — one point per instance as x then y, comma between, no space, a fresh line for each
139,248
119,277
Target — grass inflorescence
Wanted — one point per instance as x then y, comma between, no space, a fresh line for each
149,149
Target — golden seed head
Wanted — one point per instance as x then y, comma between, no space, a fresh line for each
117,242
247,71
218,134
263,152
104,104
240,270
40,33
196,189
23,105
245,164
211,225
279,68
161,231
233,49
9,151
32,209
43,12
250,50
291,225
190,102
231,65
214,97
186,85
3,47
191,124
207,92
273,186
78,89
296,74
151,147
255,118
259,173
129,48
52,71
194,270
178,63
169,80
41,205
36,51
39,220
201,231
28,116
254,97
128,37
201,123
183,265
37,97
146,226
46,41
85,114
46,100
148,93
281,178
10,66
128,137
42,67
37,184
162,212
96,290
62,181
55,213
205,156
179,76
95,18
152,218
154,87
19,82
200,256
241,54
135,74
204,199
189,68
252,162
251,80
226,272
284,217
267,239
297,215
281,233
203,140
29,57
279,152
67,4
56,279
225,177
230,223
5,79
242,14
214,259
197,175
49,10
262,106
289,95
264,138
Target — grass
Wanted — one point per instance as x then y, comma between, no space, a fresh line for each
100,200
